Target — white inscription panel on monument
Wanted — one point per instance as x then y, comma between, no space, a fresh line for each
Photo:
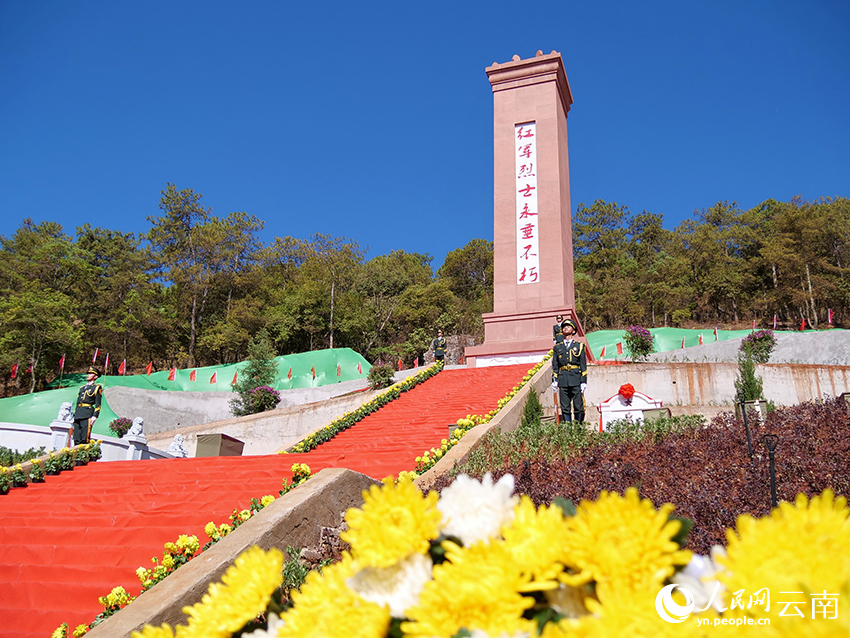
527,227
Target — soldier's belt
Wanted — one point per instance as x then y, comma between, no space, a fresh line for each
570,367
85,405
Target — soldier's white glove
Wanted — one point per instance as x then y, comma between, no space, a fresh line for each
583,387
92,420
554,384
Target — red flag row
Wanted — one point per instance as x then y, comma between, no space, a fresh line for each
172,373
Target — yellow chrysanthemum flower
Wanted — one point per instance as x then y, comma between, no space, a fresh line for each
326,607
61,631
267,500
81,630
168,561
622,541
800,547
396,520
150,631
537,540
476,588
625,612
189,544
242,595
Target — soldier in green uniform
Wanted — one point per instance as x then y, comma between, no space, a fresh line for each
88,407
569,373
558,327
440,344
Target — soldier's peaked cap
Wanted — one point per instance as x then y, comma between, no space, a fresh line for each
93,370
570,323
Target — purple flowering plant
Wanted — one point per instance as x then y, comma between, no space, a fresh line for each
262,398
639,341
759,345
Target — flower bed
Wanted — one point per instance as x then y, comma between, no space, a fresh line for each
348,419
479,561
430,457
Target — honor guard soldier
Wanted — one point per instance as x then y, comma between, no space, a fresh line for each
569,372
440,344
88,407
558,327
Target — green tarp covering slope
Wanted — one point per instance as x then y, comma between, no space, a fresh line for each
42,407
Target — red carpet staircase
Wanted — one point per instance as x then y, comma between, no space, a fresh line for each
74,538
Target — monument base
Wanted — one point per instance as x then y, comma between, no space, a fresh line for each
523,337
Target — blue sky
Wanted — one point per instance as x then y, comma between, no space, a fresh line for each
373,120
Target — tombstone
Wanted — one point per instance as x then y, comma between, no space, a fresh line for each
638,407
533,248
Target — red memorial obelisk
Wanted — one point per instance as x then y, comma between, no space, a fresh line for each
533,246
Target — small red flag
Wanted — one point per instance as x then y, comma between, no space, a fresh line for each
193,376
619,347
774,322
149,368
289,374
172,373
338,370
359,368
62,363
235,374
700,338
829,315
214,377
715,334
683,342
754,324
96,353
602,354
14,370
400,364
106,364
313,370
122,369
802,327
30,368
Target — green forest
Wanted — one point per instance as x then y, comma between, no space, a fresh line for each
194,288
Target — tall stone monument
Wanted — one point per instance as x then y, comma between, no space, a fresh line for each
533,246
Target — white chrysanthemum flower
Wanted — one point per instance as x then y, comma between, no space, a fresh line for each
397,586
274,624
699,577
474,511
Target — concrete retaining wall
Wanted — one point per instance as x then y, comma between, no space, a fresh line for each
267,432
165,411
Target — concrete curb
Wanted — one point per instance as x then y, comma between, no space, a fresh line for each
507,420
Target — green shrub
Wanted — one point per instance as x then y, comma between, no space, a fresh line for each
759,345
639,342
748,385
533,409
381,376
9,457
259,370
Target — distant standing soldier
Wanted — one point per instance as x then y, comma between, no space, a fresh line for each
569,373
88,407
440,344
558,327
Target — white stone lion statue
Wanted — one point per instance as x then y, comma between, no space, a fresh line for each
138,427
176,447
65,415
